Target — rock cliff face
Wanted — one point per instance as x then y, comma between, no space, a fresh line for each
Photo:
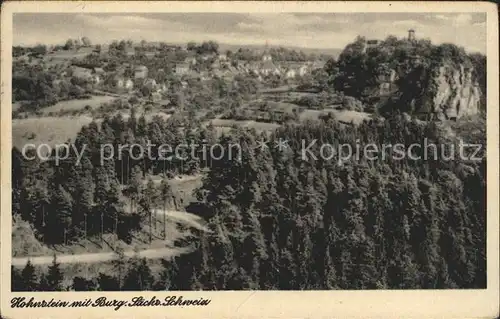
444,91
454,93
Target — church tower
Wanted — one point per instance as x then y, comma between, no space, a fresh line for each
266,56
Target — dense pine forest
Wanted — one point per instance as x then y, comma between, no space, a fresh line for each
276,220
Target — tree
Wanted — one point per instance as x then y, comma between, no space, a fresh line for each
168,273
108,283
16,281
83,284
52,281
135,187
84,197
191,46
165,200
40,50
139,277
119,264
86,42
152,196
61,205
70,45
29,279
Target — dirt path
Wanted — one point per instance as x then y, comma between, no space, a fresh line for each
183,217
97,257
188,219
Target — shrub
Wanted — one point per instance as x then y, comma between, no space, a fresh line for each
352,104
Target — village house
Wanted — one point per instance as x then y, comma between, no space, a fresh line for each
140,72
224,74
294,69
222,57
161,88
97,75
371,44
267,66
290,73
190,61
155,97
181,68
128,84
216,65
96,79
317,64
253,67
129,51
119,82
99,71
303,70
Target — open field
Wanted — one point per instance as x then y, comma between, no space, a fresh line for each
271,105
182,186
53,130
225,126
48,130
343,116
281,89
263,126
76,104
149,115
82,52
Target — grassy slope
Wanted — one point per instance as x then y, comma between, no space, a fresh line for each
49,130
94,102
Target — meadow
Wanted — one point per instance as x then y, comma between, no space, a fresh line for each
46,130
71,105
343,116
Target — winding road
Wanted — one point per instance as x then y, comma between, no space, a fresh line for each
97,257
156,253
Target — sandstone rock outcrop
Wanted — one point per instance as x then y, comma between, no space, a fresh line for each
441,92
456,95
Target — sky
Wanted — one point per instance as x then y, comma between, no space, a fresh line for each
308,30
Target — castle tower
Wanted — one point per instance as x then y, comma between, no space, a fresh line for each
266,56
411,35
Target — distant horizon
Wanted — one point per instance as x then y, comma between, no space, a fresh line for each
311,31
181,44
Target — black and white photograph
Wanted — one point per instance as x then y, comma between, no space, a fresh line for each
248,151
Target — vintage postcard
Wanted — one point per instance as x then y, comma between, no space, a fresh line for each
249,160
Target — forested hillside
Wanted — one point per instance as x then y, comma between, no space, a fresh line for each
278,221
282,223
